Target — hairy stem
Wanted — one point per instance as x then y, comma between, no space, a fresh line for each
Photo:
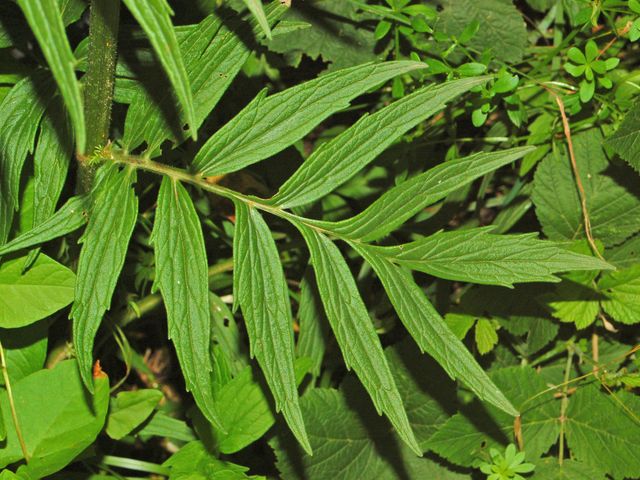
99,82
12,405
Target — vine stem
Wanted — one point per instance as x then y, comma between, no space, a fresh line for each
99,83
564,404
12,405
576,173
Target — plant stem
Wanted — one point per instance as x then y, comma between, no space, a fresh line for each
149,303
99,83
564,404
12,405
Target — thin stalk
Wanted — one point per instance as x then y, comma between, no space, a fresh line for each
12,405
151,302
99,83
565,404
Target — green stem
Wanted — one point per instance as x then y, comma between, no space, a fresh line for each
99,82
181,175
564,404
12,405
149,303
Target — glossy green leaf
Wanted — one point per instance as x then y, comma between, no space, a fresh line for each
155,18
163,426
400,203
269,124
35,294
71,216
263,295
336,161
111,221
431,333
71,423
129,409
20,113
355,333
25,349
181,277
45,20
478,256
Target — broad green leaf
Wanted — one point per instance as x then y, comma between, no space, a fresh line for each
339,35
269,124
621,290
348,446
35,294
20,113
336,161
355,333
477,256
501,26
154,17
181,277
613,201
70,217
601,434
400,203
549,469
51,162
45,20
262,293
129,410
255,7
575,300
217,44
194,462
467,437
25,350
57,418
431,333
313,334
626,140
105,241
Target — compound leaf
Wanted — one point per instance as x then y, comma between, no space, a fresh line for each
105,241
430,331
264,298
181,276
477,256
398,204
336,161
271,123
355,333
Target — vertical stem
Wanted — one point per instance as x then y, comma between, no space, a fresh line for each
12,405
564,404
99,82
